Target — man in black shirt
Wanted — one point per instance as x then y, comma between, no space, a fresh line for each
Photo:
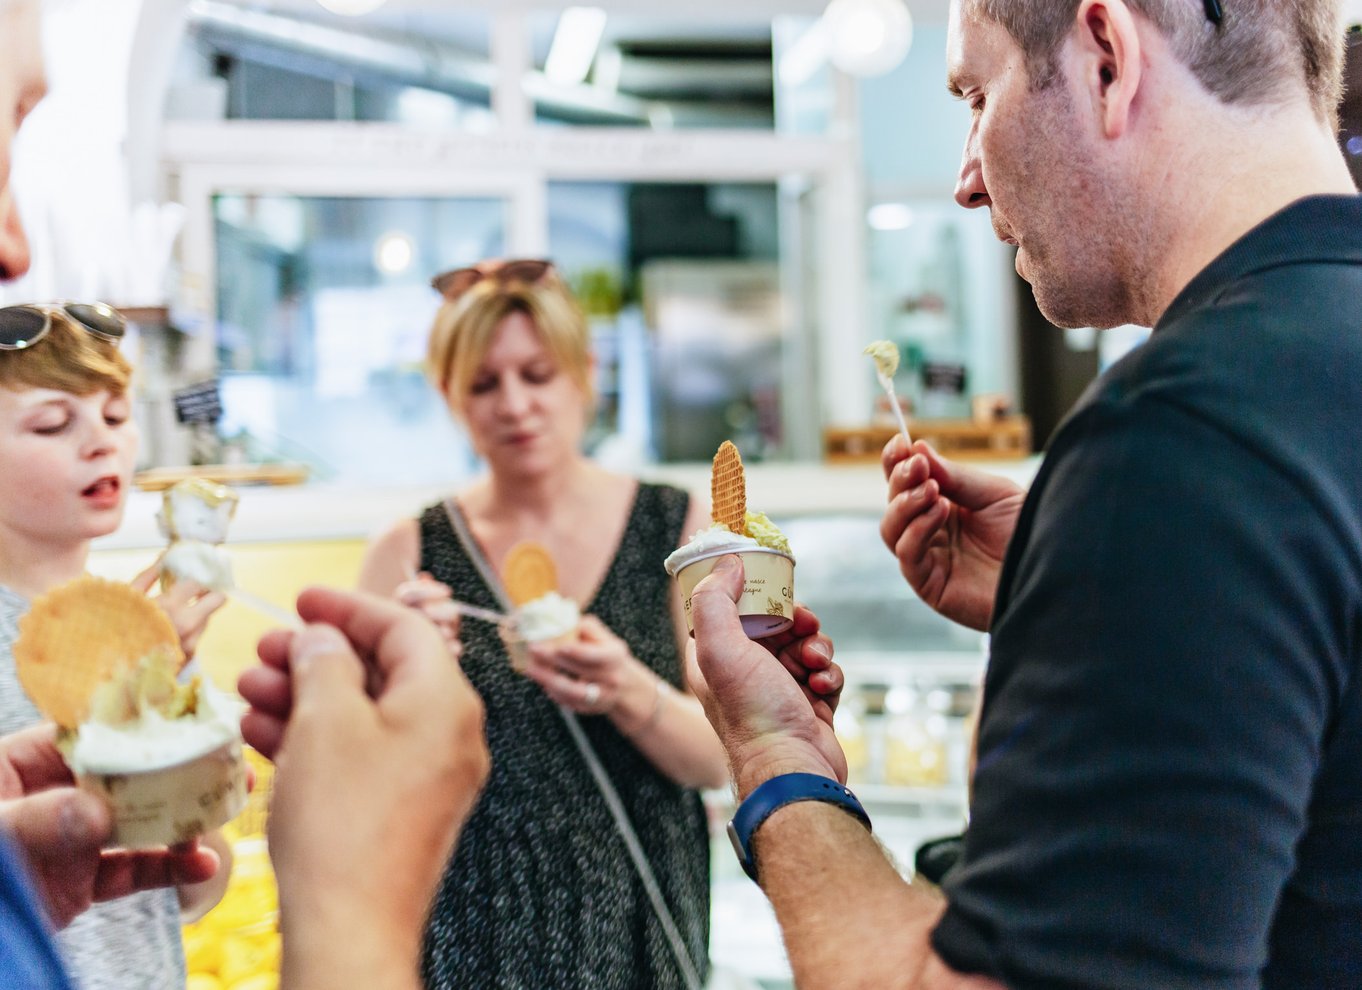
1169,782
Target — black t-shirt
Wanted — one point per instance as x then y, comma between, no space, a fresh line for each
1169,788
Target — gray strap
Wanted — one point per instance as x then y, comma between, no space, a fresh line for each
604,784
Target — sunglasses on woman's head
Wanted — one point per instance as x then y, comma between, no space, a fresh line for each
23,326
457,281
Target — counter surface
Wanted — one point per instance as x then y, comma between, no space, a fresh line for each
329,512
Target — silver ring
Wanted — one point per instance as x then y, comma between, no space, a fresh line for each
593,694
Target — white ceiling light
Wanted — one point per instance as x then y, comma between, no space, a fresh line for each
351,8
890,216
394,252
868,37
574,45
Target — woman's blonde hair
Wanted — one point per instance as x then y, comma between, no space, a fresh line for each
69,358
465,328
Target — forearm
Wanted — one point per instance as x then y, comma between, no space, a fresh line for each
337,946
669,728
833,888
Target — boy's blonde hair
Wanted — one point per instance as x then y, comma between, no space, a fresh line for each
464,329
69,358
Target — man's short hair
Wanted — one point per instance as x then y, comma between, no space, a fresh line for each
1260,51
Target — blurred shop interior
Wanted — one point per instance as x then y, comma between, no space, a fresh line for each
743,195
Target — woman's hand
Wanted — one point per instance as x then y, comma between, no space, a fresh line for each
434,600
188,604
592,674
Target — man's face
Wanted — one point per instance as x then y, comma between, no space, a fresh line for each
22,85
1035,162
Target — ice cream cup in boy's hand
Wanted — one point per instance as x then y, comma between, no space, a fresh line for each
542,615
101,660
767,602
194,517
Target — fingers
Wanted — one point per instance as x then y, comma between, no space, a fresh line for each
267,689
409,655
578,693
714,601
58,825
123,872
422,590
31,762
263,732
273,648
324,667
147,578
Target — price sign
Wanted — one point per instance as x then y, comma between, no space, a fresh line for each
941,377
201,403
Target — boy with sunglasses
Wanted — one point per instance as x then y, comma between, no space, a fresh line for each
67,445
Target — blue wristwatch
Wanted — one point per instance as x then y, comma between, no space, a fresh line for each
778,792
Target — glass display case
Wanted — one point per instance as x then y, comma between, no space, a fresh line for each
904,720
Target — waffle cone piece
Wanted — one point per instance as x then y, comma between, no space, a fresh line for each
728,489
528,572
79,635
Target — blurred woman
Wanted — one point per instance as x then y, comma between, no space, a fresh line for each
542,890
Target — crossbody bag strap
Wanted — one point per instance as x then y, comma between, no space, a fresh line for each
689,975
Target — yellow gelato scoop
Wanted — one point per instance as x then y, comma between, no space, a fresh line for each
885,356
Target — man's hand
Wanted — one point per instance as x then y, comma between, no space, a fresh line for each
61,831
377,739
771,701
949,527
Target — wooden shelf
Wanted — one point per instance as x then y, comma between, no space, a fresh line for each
158,479
960,439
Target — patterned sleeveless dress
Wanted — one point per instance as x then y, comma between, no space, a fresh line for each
541,893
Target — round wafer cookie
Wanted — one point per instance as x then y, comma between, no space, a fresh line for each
80,634
728,489
528,572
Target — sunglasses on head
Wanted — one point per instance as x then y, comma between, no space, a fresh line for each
457,281
23,326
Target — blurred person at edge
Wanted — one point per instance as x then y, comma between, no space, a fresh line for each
407,760
56,829
67,446
541,891
1169,781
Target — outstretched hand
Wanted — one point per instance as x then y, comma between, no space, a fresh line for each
188,604
377,739
771,717
62,831
949,527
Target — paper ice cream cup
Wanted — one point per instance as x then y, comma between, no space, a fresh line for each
766,605
164,806
518,646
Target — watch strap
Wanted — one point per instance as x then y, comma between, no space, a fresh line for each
778,792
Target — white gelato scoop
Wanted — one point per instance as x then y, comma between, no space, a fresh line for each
547,616
204,563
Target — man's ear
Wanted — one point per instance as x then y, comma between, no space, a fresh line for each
1109,54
